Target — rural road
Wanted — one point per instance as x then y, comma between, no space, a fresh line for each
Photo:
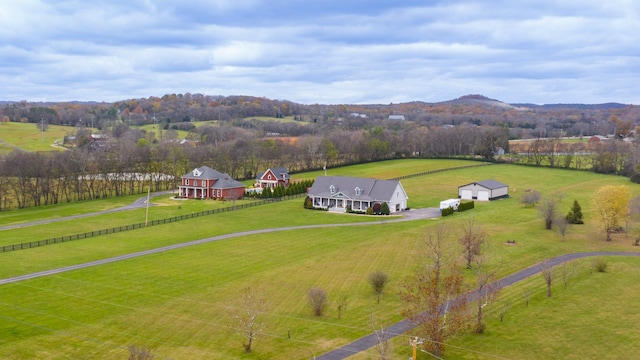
139,203
345,351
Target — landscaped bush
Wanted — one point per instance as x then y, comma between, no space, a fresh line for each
384,209
369,210
448,211
466,205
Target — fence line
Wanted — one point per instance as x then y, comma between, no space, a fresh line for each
117,229
56,240
439,170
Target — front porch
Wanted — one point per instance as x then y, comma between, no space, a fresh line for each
192,192
341,205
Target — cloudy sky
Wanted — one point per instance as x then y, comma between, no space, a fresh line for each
322,51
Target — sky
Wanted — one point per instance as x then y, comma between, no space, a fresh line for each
322,51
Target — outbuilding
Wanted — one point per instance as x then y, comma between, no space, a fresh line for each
483,190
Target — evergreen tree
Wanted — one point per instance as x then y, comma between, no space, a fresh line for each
575,214
384,209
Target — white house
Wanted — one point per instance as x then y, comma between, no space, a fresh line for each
336,193
483,190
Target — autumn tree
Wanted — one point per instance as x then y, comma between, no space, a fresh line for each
247,315
471,240
378,281
432,296
611,204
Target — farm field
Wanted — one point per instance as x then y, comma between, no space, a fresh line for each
180,302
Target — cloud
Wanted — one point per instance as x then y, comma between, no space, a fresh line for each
325,51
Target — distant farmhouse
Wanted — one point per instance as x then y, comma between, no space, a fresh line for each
483,190
272,178
396,117
206,183
337,193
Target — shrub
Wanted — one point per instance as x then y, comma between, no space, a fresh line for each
467,205
600,265
308,203
369,210
317,300
448,211
384,209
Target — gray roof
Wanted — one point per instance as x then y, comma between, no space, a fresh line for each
370,189
489,184
223,180
278,171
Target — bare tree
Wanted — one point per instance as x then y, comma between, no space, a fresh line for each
317,300
486,289
247,315
530,198
378,281
562,224
432,296
503,310
343,302
140,353
549,211
471,240
383,345
548,273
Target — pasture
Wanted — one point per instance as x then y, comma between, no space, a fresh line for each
28,137
179,303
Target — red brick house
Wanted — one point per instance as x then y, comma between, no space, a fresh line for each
273,177
206,183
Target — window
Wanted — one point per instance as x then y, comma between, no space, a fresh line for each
195,182
187,181
358,191
332,189
269,177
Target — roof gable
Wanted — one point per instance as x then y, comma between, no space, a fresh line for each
279,173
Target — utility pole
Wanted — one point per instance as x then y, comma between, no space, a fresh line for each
146,218
414,343
42,126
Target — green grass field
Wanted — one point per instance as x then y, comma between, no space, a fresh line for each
28,137
179,302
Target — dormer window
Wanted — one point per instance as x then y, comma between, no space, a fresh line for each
358,191
332,189
197,172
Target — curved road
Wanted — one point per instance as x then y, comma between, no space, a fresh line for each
345,351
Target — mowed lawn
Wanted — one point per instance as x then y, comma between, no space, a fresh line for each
180,302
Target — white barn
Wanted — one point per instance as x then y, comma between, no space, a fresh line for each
336,193
483,190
